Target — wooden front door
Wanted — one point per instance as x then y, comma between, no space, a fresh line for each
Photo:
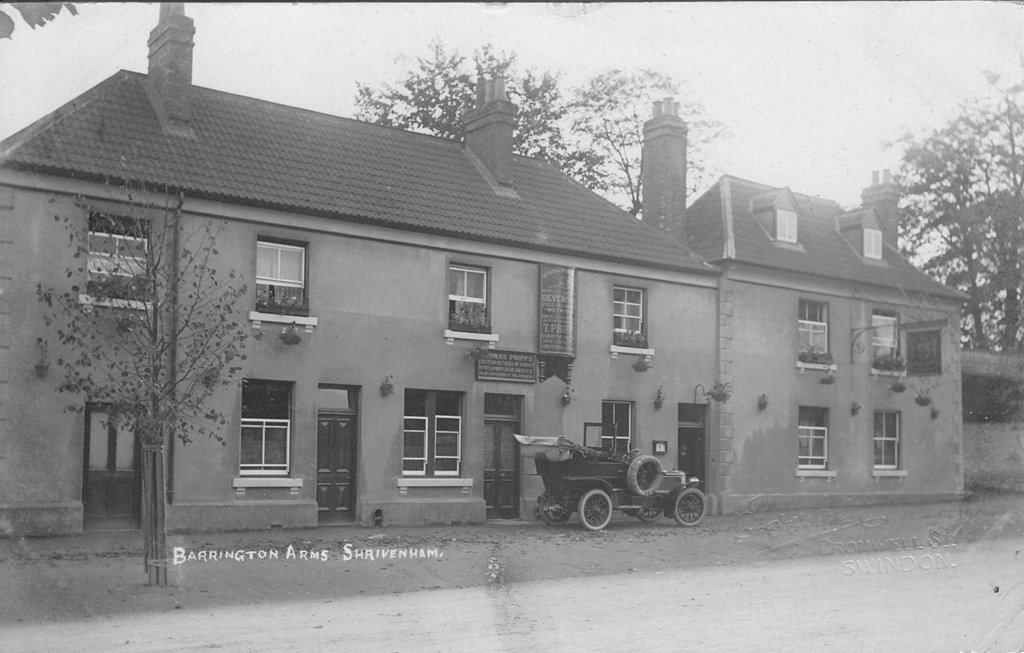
501,469
692,435
501,456
112,479
336,466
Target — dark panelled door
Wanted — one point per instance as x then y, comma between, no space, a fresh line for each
501,472
692,432
112,482
336,436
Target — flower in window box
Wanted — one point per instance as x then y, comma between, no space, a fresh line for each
281,300
815,356
636,339
889,363
470,318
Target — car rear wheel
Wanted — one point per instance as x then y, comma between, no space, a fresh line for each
649,515
595,509
690,507
552,511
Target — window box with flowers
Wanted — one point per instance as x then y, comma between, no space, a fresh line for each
635,339
469,318
815,359
888,365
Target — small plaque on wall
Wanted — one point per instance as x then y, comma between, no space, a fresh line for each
660,447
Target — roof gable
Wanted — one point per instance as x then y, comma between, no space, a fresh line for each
822,250
254,152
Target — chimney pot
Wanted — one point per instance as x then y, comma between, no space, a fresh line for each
663,169
170,64
886,176
488,129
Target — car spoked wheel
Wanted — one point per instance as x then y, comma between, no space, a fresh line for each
649,514
690,507
553,511
595,509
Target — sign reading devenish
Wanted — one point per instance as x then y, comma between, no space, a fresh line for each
499,365
557,311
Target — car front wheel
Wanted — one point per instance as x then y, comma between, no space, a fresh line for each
595,509
690,507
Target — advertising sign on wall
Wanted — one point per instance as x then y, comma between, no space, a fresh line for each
499,365
557,311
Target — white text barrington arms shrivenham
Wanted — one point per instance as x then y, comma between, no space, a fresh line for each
182,555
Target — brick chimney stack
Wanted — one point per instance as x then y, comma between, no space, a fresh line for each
487,129
663,169
170,64
883,195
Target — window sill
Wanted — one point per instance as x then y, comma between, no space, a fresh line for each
816,367
877,473
892,373
258,319
88,302
815,473
240,483
648,354
403,484
451,336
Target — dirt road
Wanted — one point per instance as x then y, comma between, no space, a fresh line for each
809,604
930,578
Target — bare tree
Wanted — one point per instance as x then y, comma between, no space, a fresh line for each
146,326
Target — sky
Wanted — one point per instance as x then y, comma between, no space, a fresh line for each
813,95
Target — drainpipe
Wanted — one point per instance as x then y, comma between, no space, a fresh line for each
174,340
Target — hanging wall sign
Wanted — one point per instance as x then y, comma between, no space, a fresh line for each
499,365
557,311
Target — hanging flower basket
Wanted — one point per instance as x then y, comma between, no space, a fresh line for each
828,379
922,400
720,392
899,386
642,365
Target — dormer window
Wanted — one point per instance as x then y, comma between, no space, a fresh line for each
785,226
872,243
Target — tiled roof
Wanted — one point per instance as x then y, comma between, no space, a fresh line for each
260,153
822,250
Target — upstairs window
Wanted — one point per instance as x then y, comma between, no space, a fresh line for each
872,243
266,427
813,438
885,342
785,226
281,278
432,433
117,257
812,329
467,299
628,328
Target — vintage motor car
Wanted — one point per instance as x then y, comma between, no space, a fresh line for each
594,482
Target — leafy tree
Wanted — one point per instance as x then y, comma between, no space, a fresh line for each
435,96
963,218
35,14
145,326
594,134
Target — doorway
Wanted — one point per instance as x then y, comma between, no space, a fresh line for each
692,439
112,478
337,437
501,455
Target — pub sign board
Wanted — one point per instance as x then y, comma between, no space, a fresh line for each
500,365
924,352
556,331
